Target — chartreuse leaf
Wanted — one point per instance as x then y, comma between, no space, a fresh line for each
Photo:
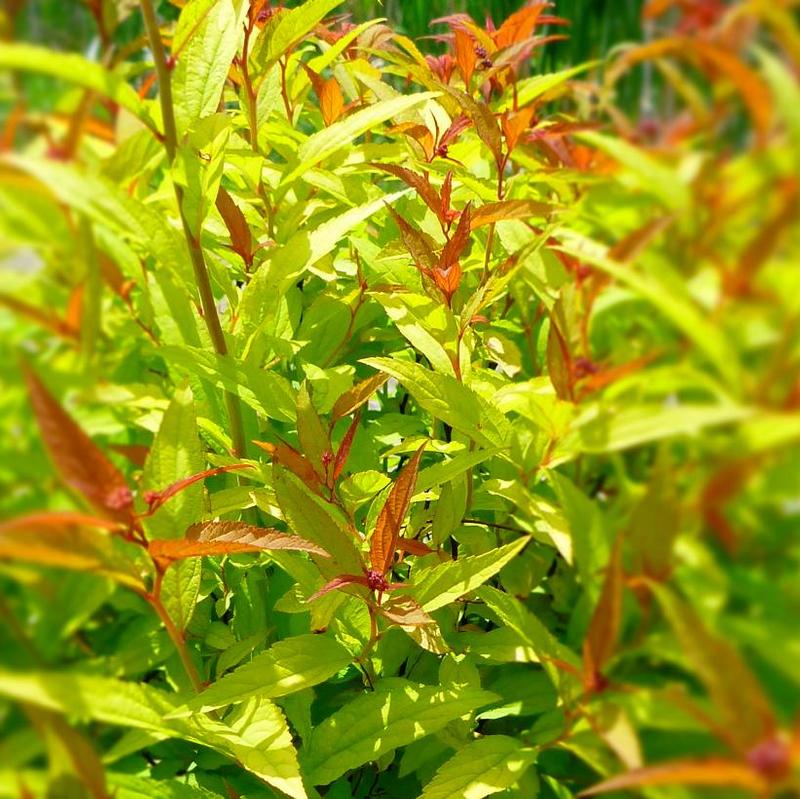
669,298
395,714
130,786
310,517
341,134
744,711
439,585
447,399
267,393
481,768
76,69
651,175
203,64
261,298
604,429
428,325
286,667
176,453
290,27
550,651
198,168
263,747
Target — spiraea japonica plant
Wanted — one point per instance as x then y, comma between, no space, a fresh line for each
387,424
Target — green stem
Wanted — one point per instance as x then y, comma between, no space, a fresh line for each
202,277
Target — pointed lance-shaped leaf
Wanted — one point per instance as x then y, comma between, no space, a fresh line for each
420,183
390,519
715,771
509,209
232,216
338,582
344,448
355,397
80,462
314,439
416,244
458,241
601,637
294,461
227,538
155,499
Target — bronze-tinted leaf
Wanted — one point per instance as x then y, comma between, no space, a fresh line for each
416,244
338,582
80,462
390,519
294,461
344,448
712,772
509,209
420,183
356,396
155,499
71,541
227,538
239,230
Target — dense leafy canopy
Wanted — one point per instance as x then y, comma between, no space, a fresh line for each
381,424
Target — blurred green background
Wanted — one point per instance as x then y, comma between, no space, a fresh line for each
595,26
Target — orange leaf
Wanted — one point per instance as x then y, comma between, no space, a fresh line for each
519,26
711,771
514,124
331,101
447,280
509,209
393,512
356,396
227,538
81,463
232,216
456,244
296,463
466,58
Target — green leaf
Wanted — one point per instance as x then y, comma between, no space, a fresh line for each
203,64
440,585
744,711
428,325
481,768
176,453
128,786
343,133
651,175
395,714
286,667
609,430
447,399
267,393
514,614
310,517
77,70
292,26
674,303
198,168
264,748
180,589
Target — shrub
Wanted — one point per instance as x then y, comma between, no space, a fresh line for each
415,426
